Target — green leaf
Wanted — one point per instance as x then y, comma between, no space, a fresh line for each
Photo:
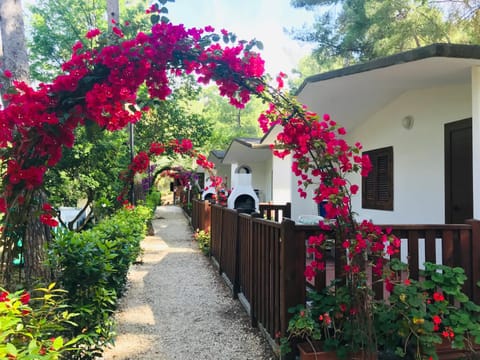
259,45
154,19
428,284
32,346
11,349
437,277
58,343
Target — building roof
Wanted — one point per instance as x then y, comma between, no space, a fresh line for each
219,154
352,94
246,150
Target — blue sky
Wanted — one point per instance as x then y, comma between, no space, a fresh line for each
260,19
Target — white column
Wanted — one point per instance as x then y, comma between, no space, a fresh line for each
282,179
476,140
233,169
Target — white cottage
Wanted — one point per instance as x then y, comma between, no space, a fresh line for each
271,177
418,115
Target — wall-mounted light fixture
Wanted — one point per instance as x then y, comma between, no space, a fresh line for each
407,122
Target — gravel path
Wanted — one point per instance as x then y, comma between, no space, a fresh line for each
177,306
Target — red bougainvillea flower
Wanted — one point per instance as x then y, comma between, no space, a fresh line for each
48,220
25,298
7,73
92,33
157,149
140,163
117,31
47,207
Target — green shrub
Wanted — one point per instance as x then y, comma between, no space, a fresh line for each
93,267
153,199
32,325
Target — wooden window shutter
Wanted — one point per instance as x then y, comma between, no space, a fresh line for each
377,188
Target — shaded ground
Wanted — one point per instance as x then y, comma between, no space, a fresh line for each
177,306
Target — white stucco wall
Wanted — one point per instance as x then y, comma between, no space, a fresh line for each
476,140
224,172
281,180
418,152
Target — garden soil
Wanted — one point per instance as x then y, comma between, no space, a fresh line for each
177,306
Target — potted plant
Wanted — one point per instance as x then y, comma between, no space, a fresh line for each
341,316
324,329
431,318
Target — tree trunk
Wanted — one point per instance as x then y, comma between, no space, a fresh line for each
113,13
13,52
36,240
25,240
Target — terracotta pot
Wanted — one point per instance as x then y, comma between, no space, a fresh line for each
315,353
445,351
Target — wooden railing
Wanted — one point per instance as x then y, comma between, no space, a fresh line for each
201,213
263,261
275,212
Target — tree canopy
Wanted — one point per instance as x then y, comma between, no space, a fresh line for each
55,26
360,30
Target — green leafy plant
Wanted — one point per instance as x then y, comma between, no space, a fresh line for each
153,199
203,239
99,260
422,314
32,325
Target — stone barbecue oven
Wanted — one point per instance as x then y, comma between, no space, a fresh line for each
243,196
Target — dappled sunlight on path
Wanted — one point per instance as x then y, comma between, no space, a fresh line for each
176,305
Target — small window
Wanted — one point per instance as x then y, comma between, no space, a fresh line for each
377,188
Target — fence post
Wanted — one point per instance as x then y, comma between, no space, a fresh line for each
288,210
207,218
475,259
253,287
292,268
236,275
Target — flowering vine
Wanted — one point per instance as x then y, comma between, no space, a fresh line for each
98,87
322,159
141,162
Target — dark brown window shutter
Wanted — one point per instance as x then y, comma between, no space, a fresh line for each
377,188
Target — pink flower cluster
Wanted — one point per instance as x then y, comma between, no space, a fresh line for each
321,156
100,85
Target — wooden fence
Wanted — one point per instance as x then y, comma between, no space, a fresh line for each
201,215
263,261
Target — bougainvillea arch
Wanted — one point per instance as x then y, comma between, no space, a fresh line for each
99,86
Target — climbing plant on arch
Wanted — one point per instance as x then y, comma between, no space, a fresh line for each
98,87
